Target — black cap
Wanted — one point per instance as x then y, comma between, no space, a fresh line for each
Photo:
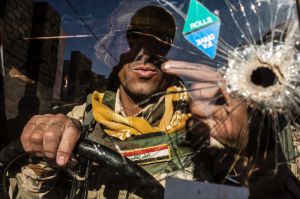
154,20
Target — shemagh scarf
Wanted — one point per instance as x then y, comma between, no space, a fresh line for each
123,127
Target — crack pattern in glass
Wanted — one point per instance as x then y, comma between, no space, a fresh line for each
259,60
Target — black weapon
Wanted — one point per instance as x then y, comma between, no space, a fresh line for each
88,152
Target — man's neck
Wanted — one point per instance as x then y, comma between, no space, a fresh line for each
131,105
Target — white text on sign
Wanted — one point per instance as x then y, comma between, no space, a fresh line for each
206,42
201,22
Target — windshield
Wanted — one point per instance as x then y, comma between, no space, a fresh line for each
55,53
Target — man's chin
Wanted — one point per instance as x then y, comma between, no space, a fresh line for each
144,92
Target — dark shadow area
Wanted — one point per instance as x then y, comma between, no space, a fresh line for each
27,107
3,120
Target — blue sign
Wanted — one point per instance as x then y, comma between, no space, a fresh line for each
202,28
206,39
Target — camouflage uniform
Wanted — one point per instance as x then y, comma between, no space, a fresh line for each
290,143
38,180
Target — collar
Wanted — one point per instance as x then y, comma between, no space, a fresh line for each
146,113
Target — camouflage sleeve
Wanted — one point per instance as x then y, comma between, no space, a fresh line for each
290,144
35,181
77,112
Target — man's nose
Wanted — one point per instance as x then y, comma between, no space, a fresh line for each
142,55
145,58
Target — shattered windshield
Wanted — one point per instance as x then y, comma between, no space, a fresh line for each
200,90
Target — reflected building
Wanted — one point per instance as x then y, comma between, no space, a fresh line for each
15,25
43,54
30,65
16,18
60,67
65,93
98,82
80,69
36,74
78,79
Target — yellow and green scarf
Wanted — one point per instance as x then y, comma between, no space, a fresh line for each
123,127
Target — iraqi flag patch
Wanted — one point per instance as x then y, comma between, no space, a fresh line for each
149,155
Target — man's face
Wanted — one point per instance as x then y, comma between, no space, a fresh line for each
141,75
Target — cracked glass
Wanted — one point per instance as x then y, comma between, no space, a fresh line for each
231,120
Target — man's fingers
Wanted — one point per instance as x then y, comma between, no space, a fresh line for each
26,137
192,71
69,139
37,141
51,136
51,140
204,91
204,109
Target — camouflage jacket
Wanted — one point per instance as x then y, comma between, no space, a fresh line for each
39,180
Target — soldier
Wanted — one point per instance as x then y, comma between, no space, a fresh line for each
132,118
